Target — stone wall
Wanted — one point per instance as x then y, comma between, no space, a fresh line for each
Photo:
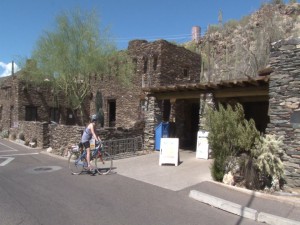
7,99
59,137
44,98
161,63
284,104
62,136
32,131
127,99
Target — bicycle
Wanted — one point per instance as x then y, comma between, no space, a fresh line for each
101,160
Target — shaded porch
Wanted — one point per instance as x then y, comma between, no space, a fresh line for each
183,105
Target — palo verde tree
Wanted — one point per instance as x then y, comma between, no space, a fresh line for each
72,53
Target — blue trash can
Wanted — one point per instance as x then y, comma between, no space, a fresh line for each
161,131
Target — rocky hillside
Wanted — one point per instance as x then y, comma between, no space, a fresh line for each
239,49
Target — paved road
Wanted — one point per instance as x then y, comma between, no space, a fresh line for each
38,189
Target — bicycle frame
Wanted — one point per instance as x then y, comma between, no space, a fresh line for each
103,167
94,153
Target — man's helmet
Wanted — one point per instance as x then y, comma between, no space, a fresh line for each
94,118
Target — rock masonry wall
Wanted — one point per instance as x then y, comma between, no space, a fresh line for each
284,104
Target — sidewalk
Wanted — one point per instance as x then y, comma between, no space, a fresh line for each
190,171
194,175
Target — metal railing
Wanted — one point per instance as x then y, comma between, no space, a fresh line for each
122,148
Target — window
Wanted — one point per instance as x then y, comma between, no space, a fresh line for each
155,62
134,62
54,115
11,113
30,113
71,120
186,72
7,92
145,65
111,112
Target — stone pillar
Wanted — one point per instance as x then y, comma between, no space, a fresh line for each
173,110
284,104
153,115
206,99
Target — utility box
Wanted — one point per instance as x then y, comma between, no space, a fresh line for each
202,145
161,131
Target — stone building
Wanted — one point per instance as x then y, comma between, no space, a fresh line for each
26,102
28,109
32,108
165,87
272,99
157,63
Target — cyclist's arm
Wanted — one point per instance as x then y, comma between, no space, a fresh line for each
94,134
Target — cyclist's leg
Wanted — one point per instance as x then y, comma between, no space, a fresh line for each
88,157
104,163
88,154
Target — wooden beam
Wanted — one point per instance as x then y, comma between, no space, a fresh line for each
238,92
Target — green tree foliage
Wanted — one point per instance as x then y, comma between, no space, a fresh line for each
230,134
72,53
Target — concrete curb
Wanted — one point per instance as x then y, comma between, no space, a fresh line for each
240,210
275,220
281,198
224,205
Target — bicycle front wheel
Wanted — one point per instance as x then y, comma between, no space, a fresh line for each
103,163
75,164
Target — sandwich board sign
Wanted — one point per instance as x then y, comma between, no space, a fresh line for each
169,151
202,145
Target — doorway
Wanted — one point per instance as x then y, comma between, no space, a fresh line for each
111,112
187,121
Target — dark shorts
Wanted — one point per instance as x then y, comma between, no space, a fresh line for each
86,144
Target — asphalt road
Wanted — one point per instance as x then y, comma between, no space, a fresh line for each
37,189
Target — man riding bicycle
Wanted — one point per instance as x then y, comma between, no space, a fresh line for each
88,134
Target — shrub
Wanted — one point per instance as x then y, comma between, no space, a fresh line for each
21,136
12,136
230,134
4,134
267,153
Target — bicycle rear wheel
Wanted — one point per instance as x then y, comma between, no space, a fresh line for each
103,163
75,164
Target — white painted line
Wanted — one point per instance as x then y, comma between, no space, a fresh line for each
8,150
7,160
34,153
7,146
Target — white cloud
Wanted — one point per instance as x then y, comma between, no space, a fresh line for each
5,69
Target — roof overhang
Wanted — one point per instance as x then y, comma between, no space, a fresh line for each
255,88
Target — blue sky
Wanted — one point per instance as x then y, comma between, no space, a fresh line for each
24,21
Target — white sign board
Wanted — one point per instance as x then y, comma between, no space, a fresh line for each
202,145
169,151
